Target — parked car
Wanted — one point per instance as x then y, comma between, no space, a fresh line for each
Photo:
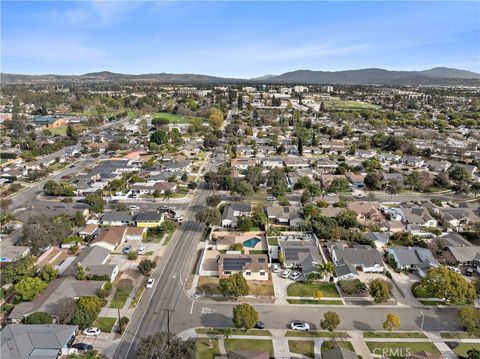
84,347
91,332
133,207
126,249
469,271
150,282
298,325
359,196
260,325
275,268
295,276
270,198
163,208
286,273
142,250
331,194
71,166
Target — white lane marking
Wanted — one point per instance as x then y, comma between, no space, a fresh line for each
191,308
206,310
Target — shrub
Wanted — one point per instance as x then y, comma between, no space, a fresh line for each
39,318
354,286
132,255
105,291
123,324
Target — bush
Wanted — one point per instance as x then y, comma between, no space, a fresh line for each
123,324
39,318
132,255
354,286
380,290
105,291
6,308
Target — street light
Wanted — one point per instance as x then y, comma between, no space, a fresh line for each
423,319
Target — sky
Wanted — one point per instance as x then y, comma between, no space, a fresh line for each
236,39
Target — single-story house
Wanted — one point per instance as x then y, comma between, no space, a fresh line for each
110,238
36,341
117,218
285,215
149,219
359,256
303,254
464,256
252,266
413,258
89,230
380,239
135,233
232,211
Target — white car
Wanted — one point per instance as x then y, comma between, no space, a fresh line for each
295,275
133,207
150,282
331,194
91,332
359,196
286,273
142,250
275,268
298,325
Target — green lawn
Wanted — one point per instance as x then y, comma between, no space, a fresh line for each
273,241
303,347
459,335
329,345
176,119
421,292
153,239
105,324
235,331
308,289
393,335
400,349
138,295
122,292
463,348
349,105
314,301
260,345
60,130
315,333
167,240
207,348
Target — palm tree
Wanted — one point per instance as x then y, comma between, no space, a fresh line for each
327,268
168,194
227,332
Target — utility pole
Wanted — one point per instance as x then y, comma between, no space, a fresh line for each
168,325
119,320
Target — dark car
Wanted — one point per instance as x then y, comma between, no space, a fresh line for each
260,325
83,347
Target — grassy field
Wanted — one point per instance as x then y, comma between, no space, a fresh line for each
308,289
303,347
401,349
207,348
450,335
315,333
421,292
393,335
462,348
176,119
168,239
273,241
138,296
209,286
260,345
105,324
329,345
123,290
314,301
235,331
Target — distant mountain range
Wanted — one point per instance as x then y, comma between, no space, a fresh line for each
435,76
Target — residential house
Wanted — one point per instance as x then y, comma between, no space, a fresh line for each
345,271
89,230
412,161
379,239
325,165
94,261
357,180
148,188
270,163
295,162
11,253
464,255
135,233
110,238
339,353
413,258
417,218
149,219
242,163
300,253
285,215
118,218
35,341
252,266
248,354
364,257
232,211
57,290
365,153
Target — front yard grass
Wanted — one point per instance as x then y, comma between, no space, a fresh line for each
303,347
234,331
329,345
462,348
105,324
402,347
207,348
421,292
450,335
153,239
315,333
393,335
122,291
209,286
308,289
261,345
273,241
138,295
169,237
315,301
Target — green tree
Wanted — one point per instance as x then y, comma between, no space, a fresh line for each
146,266
234,286
372,181
72,133
450,285
470,319
29,288
168,226
473,354
244,224
160,346
159,137
209,216
245,316
392,322
48,273
39,318
380,290
82,319
215,120
243,188
210,141
16,271
394,187
347,218
330,321
213,201
459,174
96,202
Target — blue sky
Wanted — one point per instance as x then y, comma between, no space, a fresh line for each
237,39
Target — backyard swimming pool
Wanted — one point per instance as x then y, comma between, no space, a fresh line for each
252,242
